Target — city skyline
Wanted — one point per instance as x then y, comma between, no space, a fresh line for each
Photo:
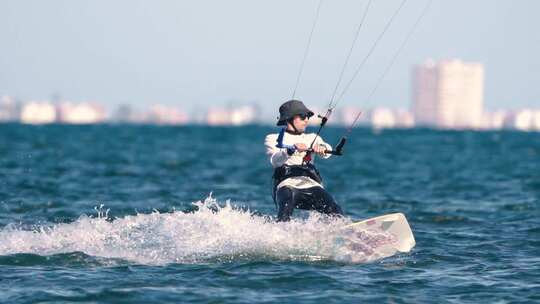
439,110
446,94
181,53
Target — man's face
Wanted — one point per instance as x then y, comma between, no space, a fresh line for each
300,122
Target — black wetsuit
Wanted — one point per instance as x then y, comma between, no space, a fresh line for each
288,198
314,198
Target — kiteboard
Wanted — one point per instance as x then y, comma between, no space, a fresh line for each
374,238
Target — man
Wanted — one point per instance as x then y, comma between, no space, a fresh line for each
297,183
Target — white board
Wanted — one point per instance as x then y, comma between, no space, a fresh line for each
395,224
365,241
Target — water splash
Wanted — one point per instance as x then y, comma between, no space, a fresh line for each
211,233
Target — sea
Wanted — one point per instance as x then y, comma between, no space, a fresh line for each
184,214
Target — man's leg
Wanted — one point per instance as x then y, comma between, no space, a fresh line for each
286,200
316,198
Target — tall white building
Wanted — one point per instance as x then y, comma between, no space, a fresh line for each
448,94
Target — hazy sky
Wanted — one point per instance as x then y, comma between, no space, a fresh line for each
199,53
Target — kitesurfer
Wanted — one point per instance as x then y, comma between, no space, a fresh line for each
296,181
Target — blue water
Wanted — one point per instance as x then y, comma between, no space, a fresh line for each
106,214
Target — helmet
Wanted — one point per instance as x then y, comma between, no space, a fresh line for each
290,108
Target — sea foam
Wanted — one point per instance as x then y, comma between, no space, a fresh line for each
214,232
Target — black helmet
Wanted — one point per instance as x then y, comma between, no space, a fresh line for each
290,108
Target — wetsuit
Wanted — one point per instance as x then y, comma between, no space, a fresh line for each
297,185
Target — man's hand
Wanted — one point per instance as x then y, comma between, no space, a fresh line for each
319,149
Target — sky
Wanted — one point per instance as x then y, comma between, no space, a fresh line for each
196,54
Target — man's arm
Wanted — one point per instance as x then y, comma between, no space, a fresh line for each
278,156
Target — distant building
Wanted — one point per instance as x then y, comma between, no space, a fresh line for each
386,118
243,115
448,94
425,97
167,115
382,118
348,114
524,120
217,116
38,112
404,119
339,116
378,118
536,120
236,116
126,114
80,113
9,109
493,120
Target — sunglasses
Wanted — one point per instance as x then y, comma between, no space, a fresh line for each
303,116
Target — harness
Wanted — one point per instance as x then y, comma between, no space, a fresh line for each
287,171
